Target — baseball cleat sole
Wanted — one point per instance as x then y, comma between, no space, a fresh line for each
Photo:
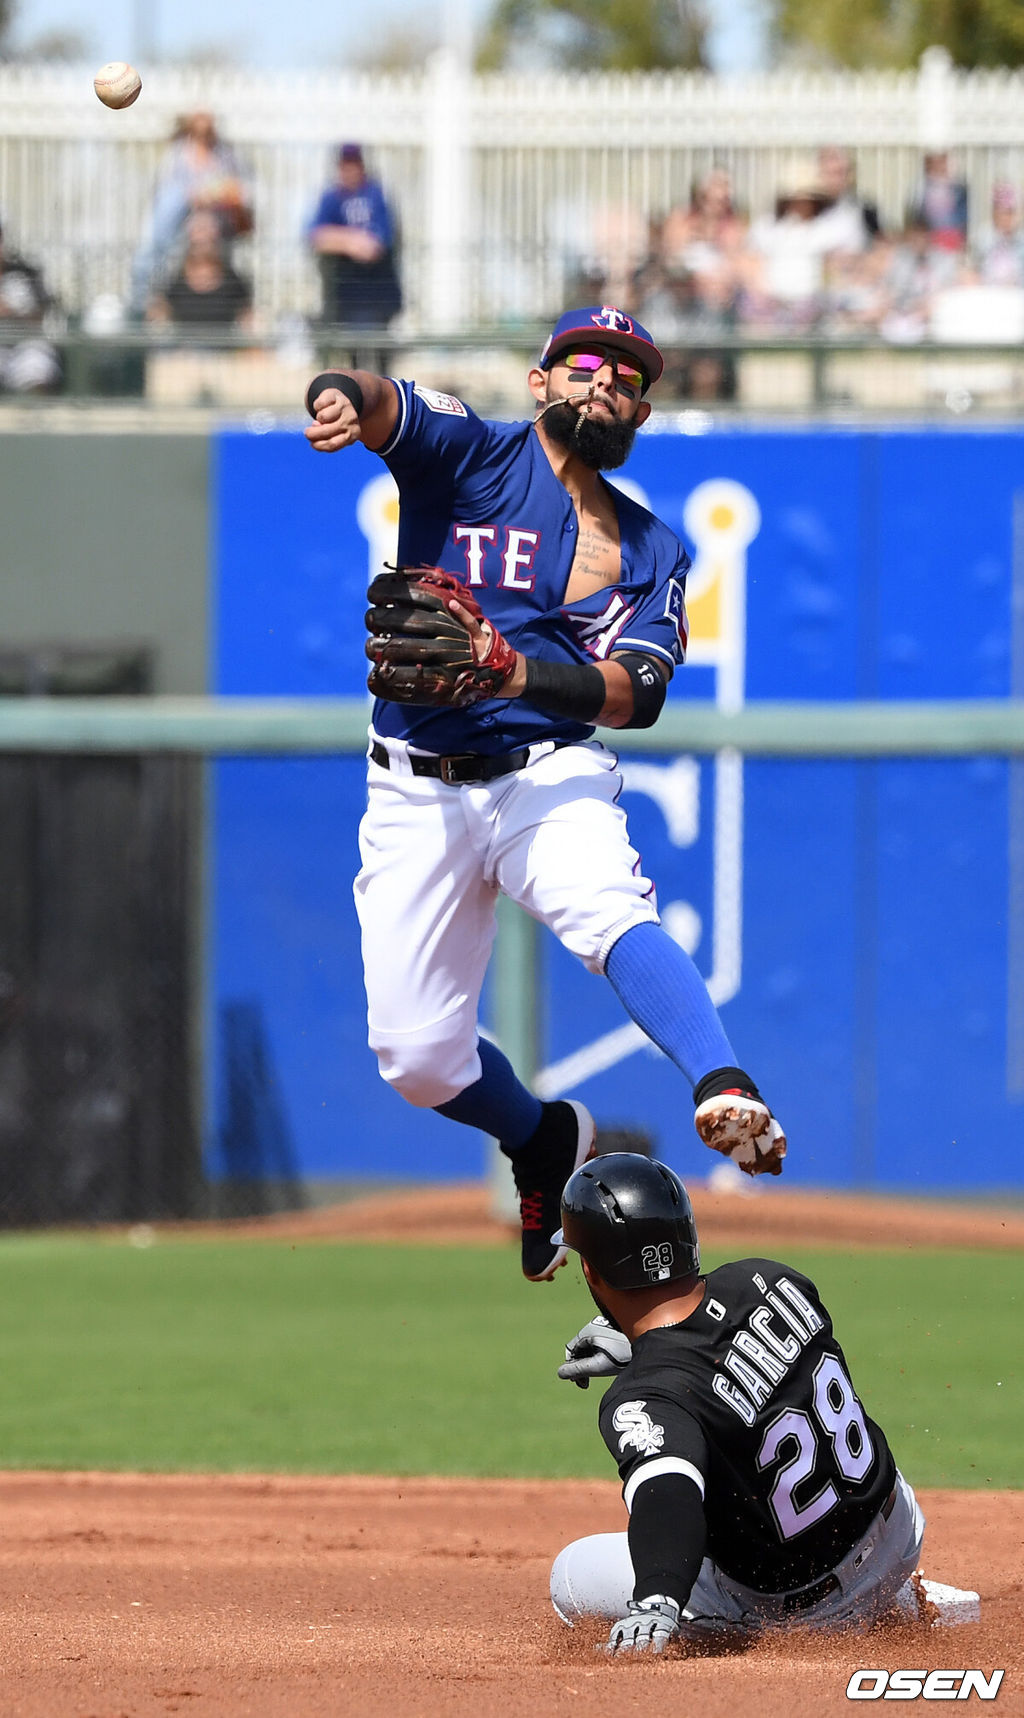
743,1130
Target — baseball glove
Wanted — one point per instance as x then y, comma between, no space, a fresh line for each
424,653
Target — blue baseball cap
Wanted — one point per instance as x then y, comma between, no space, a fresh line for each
603,325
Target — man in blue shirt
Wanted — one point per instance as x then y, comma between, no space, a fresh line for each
581,593
352,234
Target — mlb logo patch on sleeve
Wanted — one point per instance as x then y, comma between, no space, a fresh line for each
440,402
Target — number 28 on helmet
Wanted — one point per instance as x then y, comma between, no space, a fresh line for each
630,1218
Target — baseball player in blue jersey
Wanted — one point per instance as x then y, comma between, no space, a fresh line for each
352,235
533,601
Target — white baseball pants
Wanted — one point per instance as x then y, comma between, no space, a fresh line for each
593,1577
434,860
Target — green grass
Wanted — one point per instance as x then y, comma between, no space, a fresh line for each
206,1355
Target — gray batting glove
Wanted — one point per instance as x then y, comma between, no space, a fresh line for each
597,1351
648,1626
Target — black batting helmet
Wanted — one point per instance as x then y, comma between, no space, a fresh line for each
630,1217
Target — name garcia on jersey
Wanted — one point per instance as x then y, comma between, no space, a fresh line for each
761,1354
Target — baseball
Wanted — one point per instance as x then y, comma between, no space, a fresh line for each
117,84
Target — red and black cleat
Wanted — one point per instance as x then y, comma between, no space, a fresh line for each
564,1140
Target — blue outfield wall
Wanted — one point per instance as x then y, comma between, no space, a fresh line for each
853,918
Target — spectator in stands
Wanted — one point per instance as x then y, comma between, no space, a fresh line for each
1000,253
28,363
941,203
856,291
688,287
200,172
847,223
206,291
706,237
691,313
784,269
917,270
352,235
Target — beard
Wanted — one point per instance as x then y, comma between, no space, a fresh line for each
601,443
603,1310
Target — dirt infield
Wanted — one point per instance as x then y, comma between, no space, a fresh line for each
756,1216
126,1596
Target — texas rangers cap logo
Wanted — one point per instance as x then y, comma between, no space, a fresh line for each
615,327
614,320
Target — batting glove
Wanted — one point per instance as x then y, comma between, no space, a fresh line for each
648,1626
597,1351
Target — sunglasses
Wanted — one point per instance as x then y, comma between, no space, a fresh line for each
594,358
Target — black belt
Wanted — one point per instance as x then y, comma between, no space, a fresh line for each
805,1597
460,768
808,1596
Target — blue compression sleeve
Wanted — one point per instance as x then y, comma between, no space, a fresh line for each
497,1103
661,989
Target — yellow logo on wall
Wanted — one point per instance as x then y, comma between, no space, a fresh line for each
377,518
721,519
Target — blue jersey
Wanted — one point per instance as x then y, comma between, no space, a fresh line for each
365,209
480,499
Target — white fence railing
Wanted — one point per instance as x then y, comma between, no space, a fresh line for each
506,188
